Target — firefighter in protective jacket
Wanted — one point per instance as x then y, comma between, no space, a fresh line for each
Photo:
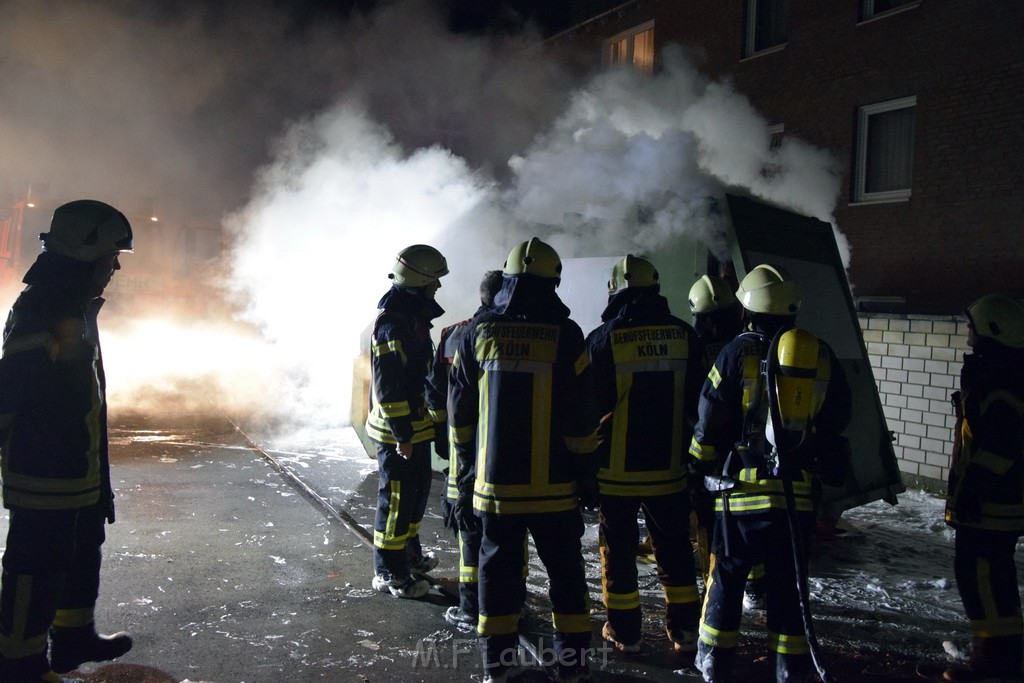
734,442
524,425
398,421
648,370
56,470
985,500
717,318
465,613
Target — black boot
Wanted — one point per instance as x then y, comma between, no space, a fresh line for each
70,647
32,669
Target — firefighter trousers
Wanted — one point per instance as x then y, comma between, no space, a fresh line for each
986,577
402,493
556,536
667,519
762,537
51,566
469,574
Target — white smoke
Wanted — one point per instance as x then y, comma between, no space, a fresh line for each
332,145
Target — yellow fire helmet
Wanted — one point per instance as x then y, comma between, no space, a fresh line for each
418,265
767,289
709,294
998,317
534,257
632,271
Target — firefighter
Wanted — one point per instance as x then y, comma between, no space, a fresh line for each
717,315
524,427
985,499
734,441
465,613
56,471
398,421
718,318
647,368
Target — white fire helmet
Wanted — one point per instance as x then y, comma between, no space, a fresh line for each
767,289
632,271
710,293
418,265
998,317
86,230
534,258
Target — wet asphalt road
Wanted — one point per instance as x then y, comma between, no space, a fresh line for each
225,571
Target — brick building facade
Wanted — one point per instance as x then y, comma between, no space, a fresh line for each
920,102
940,82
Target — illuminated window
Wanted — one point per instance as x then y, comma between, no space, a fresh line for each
767,25
876,8
885,150
635,47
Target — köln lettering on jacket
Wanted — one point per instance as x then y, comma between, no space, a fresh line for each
649,344
513,342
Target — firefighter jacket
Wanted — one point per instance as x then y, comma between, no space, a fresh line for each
986,477
729,437
521,405
648,370
53,393
400,356
437,392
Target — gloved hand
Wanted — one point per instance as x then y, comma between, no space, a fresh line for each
441,447
968,506
463,512
448,513
588,493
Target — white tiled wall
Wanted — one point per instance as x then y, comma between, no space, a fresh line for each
916,361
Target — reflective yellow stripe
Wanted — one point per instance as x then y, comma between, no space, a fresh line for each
740,503
462,435
788,645
582,444
992,462
498,625
393,346
996,627
716,638
488,490
703,452
715,376
30,342
73,618
622,600
438,416
582,363
16,645
395,409
630,490
756,572
681,595
570,623
522,507
620,476
1015,402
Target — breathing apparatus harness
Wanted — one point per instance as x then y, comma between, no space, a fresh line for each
786,440
790,397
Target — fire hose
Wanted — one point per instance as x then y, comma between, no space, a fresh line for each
799,552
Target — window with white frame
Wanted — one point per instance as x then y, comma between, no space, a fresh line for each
885,151
876,8
767,25
635,46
